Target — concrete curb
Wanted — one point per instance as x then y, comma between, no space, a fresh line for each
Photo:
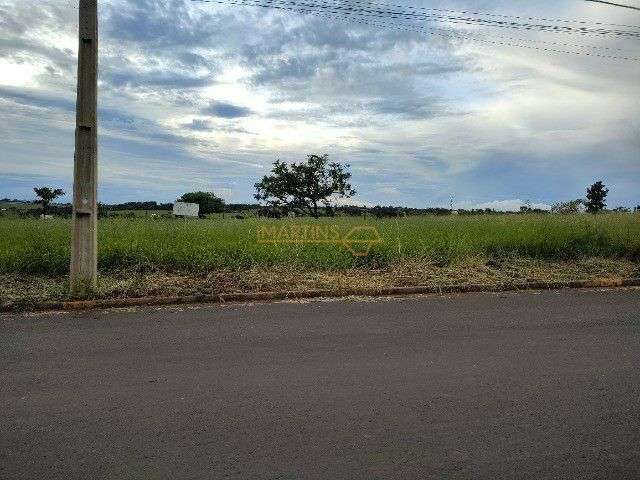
79,305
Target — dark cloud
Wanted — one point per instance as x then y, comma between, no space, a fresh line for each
419,108
113,122
159,78
39,100
282,70
226,110
159,23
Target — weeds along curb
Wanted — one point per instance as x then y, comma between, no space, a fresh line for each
271,296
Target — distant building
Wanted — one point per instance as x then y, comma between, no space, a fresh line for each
183,209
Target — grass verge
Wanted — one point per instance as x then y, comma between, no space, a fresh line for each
21,291
34,247
163,257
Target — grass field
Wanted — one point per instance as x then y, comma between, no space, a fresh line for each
36,247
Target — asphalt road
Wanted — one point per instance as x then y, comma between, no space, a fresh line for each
480,386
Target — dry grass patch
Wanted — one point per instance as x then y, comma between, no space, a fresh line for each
23,291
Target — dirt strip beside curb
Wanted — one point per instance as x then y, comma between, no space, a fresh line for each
76,305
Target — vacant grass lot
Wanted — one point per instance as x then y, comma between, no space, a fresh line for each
36,247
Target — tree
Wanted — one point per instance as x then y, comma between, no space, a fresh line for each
567,207
382,211
208,202
305,187
596,196
46,196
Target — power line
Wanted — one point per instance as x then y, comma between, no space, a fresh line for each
387,14
506,40
312,8
502,41
500,15
416,28
401,13
614,4
480,21
466,35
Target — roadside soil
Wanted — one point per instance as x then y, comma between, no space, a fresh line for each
20,291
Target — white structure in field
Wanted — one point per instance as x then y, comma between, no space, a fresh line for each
183,209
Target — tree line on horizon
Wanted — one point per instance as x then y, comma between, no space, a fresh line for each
311,188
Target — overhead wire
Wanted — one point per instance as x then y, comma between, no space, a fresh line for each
386,14
417,28
614,4
451,34
501,37
501,15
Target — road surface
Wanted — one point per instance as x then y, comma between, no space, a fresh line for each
528,385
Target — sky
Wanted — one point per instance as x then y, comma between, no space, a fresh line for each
206,96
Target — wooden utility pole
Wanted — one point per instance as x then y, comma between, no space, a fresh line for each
84,247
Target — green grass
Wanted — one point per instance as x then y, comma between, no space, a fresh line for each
12,209
32,246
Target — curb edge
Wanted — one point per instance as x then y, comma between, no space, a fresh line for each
81,305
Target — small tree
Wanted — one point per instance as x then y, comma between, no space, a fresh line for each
567,207
208,202
305,187
596,196
46,196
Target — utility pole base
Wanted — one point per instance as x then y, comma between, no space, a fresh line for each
84,264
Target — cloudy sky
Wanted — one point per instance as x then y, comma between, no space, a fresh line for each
205,96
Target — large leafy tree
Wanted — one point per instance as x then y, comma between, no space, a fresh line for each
46,195
208,202
306,186
596,196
